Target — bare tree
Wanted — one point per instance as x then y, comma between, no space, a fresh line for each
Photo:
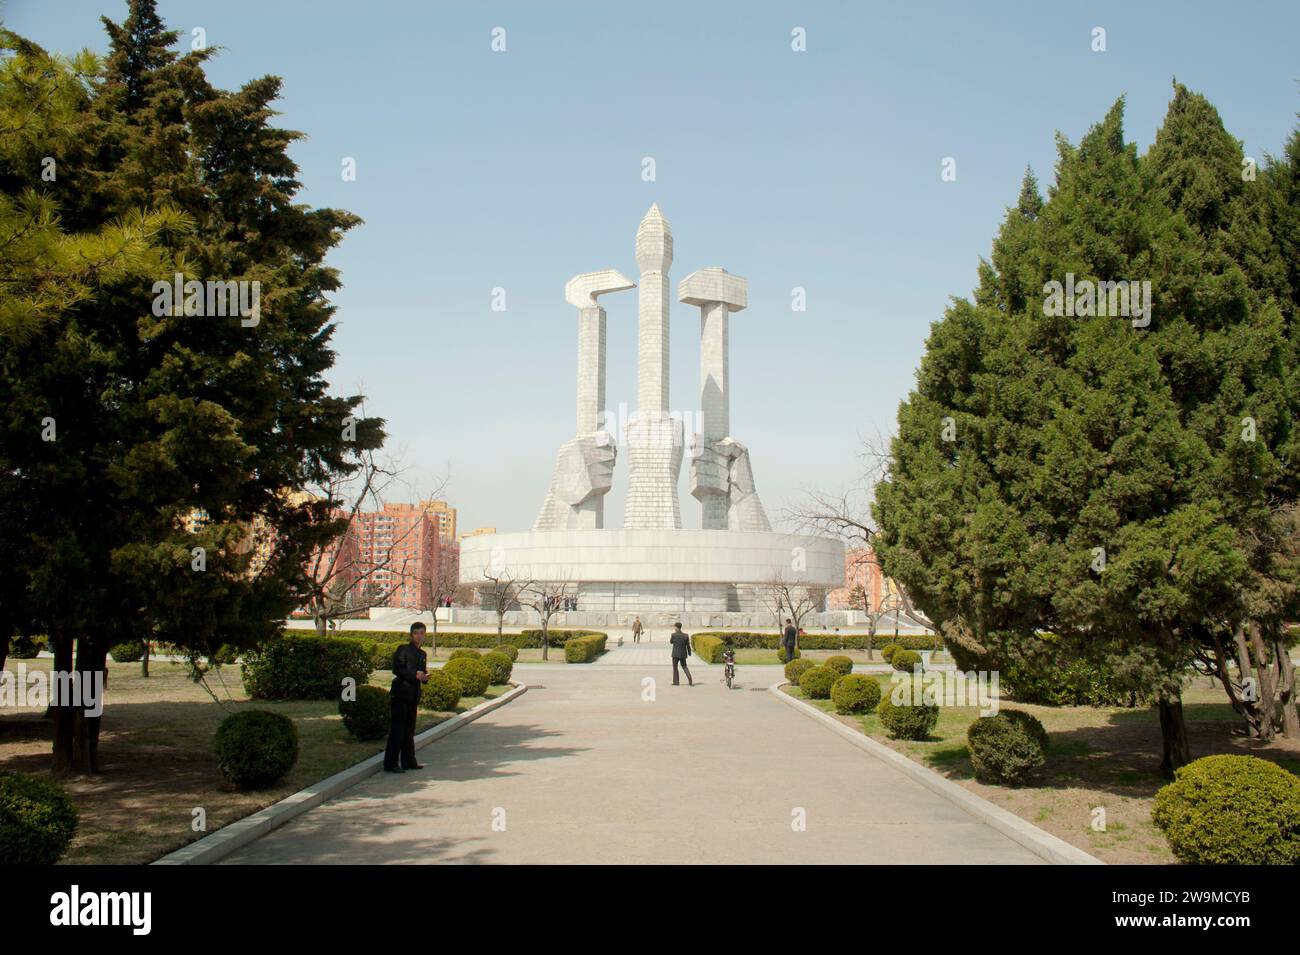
439,579
500,592
546,597
791,598
340,580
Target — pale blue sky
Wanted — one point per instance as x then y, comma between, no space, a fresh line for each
818,169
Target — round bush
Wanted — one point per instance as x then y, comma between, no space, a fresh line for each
256,748
840,664
37,820
912,720
25,648
780,654
855,693
472,675
369,715
905,660
128,651
797,668
1231,810
888,650
226,655
441,692
1006,747
816,682
510,650
499,666
465,653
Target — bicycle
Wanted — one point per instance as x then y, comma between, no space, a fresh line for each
729,667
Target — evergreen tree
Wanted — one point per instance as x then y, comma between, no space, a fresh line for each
164,416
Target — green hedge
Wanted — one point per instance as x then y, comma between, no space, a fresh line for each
26,648
387,641
440,692
584,649
472,675
1078,683
37,820
855,693
499,667
907,721
306,668
750,639
708,648
369,715
797,668
817,682
256,748
1231,810
1006,747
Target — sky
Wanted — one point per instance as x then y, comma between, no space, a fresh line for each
516,169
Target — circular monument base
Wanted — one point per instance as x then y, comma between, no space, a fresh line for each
639,571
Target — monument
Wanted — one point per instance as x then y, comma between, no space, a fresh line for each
713,576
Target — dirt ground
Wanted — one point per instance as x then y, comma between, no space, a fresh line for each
157,763
1100,759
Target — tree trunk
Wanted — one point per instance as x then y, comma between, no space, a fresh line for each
1252,707
433,632
1173,733
1286,683
92,658
544,640
61,646
1267,690
144,661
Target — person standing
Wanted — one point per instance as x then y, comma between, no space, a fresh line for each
410,669
681,651
636,630
790,639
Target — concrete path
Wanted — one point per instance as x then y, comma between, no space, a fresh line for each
584,769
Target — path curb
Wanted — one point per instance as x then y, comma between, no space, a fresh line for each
1043,844
240,833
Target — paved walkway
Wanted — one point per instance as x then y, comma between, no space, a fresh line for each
583,769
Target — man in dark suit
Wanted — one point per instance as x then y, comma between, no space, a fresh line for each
681,651
410,669
789,639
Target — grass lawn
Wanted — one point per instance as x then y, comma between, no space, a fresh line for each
156,757
1107,757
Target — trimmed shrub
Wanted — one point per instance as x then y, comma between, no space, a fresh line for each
128,651
510,650
472,675
1078,683
369,715
226,655
816,682
888,650
855,693
26,648
584,649
306,668
797,668
440,692
907,720
255,748
1006,747
1231,810
465,653
781,655
499,666
707,648
37,820
905,661
841,665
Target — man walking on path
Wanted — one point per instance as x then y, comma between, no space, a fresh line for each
410,669
636,630
789,639
681,650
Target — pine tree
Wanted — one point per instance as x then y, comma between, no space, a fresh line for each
162,416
